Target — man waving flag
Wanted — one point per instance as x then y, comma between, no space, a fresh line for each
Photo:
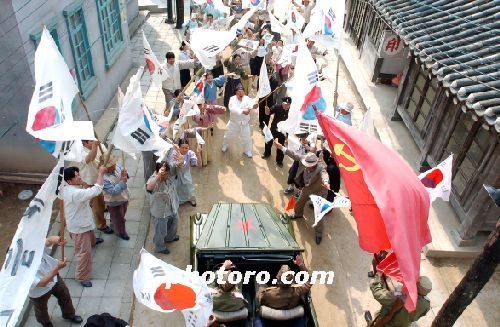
389,202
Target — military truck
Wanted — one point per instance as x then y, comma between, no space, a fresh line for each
255,238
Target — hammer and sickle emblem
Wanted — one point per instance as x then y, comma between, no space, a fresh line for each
339,151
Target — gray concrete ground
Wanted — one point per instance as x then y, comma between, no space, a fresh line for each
232,177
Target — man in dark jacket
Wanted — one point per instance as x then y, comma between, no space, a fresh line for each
280,112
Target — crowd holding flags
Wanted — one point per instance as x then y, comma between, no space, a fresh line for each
365,164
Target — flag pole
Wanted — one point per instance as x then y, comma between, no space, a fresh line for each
267,96
61,211
123,160
88,117
191,80
335,94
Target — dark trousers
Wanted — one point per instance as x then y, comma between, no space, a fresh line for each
292,172
61,292
117,216
279,154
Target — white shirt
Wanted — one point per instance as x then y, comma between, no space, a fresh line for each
90,170
261,51
173,81
47,265
236,109
79,218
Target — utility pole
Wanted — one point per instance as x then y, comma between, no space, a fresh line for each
474,280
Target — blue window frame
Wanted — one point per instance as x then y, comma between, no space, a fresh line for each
77,30
111,30
51,26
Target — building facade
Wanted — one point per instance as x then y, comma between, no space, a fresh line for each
94,38
449,92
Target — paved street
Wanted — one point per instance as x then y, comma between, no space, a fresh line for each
231,177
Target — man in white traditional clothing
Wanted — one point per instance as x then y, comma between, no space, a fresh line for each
239,118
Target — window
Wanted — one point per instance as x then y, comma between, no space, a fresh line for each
52,27
471,162
75,21
420,103
111,30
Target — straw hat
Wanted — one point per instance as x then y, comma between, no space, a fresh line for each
310,160
347,106
424,285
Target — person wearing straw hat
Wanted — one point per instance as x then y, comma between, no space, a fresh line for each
164,206
343,112
313,178
116,194
80,221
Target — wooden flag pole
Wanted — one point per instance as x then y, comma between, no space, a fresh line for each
88,117
191,80
61,230
123,160
335,96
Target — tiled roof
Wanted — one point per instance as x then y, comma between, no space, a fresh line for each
460,41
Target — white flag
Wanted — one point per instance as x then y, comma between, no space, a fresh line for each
295,19
437,181
251,45
327,23
322,206
199,139
264,86
277,26
163,287
157,72
305,77
366,124
208,42
189,108
268,135
136,129
26,250
240,25
50,118
260,4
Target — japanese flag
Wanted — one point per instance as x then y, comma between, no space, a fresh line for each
322,206
157,72
437,181
163,287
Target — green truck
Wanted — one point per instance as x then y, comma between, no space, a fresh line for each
255,238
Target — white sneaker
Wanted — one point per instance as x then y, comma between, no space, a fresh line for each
224,148
248,154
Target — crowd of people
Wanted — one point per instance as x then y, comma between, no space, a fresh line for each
99,183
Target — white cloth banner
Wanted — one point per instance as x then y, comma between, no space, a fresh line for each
156,70
305,77
240,25
437,181
277,26
252,45
136,129
26,250
268,135
50,117
280,8
264,86
322,206
163,287
366,124
209,43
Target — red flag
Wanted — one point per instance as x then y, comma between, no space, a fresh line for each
389,203
291,203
